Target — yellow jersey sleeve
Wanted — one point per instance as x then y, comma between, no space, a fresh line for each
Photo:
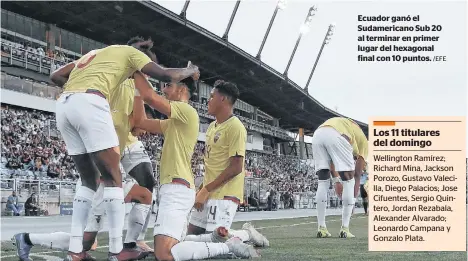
237,140
136,59
180,111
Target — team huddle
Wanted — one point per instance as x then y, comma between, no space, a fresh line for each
99,114
107,102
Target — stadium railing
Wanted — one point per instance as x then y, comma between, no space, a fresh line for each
54,196
16,56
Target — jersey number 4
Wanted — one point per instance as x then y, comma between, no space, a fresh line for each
213,212
85,60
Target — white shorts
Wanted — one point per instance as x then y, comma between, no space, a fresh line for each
97,207
216,213
85,123
133,155
329,146
175,203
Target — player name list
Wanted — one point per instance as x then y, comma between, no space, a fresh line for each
417,184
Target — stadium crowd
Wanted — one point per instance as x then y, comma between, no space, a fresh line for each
30,151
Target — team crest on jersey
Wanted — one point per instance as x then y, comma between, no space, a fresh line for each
216,137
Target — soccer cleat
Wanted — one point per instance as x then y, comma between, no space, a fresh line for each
256,238
128,254
142,244
323,232
22,248
344,233
220,235
83,256
240,249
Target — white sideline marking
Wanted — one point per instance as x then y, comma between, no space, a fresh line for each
38,254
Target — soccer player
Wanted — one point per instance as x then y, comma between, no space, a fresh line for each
363,181
135,161
176,193
223,185
84,120
333,144
60,240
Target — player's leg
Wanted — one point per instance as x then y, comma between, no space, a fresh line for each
216,218
25,241
175,204
137,164
97,132
364,198
95,220
341,152
85,189
137,216
322,165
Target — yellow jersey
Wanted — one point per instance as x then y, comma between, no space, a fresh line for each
105,69
121,105
224,141
180,136
353,131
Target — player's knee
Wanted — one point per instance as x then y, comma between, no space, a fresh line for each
163,255
143,174
323,174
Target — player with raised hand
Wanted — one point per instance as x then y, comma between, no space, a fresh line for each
85,123
177,193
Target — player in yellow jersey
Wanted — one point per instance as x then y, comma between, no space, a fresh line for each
223,185
176,193
135,161
333,144
84,120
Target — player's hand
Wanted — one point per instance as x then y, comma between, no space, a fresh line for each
196,74
201,198
339,189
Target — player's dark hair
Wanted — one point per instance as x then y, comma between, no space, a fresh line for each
145,48
227,89
136,39
190,84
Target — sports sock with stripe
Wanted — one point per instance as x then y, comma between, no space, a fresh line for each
81,207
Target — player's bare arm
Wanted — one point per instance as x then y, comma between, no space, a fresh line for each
149,96
170,74
235,168
337,180
140,120
60,76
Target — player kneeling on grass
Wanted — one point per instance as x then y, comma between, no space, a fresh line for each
176,195
333,144
60,240
223,184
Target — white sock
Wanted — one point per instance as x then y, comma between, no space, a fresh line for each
56,240
242,234
188,250
81,206
136,221
321,197
142,235
348,201
115,209
198,238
